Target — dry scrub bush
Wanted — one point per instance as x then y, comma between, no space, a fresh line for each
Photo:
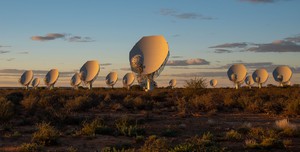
155,144
6,110
233,135
30,147
30,104
97,126
45,135
286,127
293,107
81,103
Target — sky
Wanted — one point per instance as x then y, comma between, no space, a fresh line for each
205,37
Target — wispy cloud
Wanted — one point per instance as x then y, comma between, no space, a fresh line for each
223,51
276,46
290,44
80,39
4,52
231,45
10,59
185,15
4,46
67,37
125,69
200,74
105,64
24,52
176,57
187,62
261,1
50,36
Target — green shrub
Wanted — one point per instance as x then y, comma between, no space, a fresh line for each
6,110
128,127
45,135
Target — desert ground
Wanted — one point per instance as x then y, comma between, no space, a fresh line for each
181,119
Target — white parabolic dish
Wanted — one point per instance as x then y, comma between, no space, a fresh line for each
150,52
282,74
51,77
26,78
172,83
237,73
75,80
35,82
260,76
89,71
111,78
213,82
249,80
128,79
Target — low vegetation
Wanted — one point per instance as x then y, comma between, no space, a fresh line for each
194,118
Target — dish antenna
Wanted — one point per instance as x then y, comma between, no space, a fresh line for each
249,81
75,80
147,58
172,83
35,83
213,82
26,78
89,72
282,74
237,73
51,78
128,80
111,79
260,76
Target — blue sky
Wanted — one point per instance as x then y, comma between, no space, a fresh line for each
256,32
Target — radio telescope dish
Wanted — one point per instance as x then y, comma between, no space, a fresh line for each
173,83
213,82
249,81
35,83
51,78
147,58
89,72
237,73
75,80
26,78
128,80
282,74
111,79
260,76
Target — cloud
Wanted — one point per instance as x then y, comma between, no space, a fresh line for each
276,46
200,74
176,57
260,1
295,39
187,62
4,52
105,64
223,51
66,37
187,15
125,69
25,52
4,46
10,59
80,39
231,45
18,72
50,36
